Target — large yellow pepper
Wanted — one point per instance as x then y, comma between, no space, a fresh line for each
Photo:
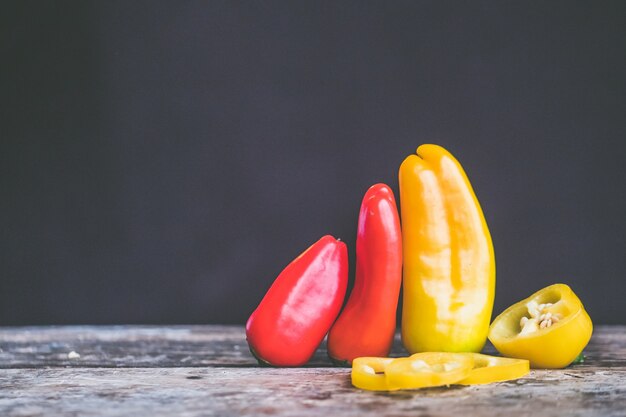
449,267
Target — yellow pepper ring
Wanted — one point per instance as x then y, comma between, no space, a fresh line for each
489,369
428,369
368,373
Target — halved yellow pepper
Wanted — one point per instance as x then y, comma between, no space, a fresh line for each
550,328
489,369
368,373
428,369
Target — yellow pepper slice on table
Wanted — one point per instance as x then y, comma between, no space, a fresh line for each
428,369
550,328
488,369
449,265
431,369
368,373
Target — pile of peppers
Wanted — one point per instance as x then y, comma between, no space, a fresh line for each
443,258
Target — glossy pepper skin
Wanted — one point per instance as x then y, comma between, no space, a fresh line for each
300,306
555,346
449,266
367,324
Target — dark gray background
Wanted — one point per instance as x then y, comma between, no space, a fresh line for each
163,161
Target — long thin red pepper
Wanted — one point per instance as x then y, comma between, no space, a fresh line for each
368,322
300,306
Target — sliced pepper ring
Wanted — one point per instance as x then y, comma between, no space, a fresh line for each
428,369
489,369
368,373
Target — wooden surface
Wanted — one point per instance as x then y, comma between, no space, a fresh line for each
208,371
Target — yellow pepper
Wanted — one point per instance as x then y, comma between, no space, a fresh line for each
449,266
368,373
550,328
428,369
489,369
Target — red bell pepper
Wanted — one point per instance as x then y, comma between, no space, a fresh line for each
300,306
367,325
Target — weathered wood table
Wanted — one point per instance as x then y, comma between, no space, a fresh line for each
208,371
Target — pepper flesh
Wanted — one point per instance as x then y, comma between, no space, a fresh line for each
488,369
449,265
555,346
367,324
428,369
300,306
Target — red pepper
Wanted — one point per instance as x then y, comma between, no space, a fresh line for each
367,325
300,306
